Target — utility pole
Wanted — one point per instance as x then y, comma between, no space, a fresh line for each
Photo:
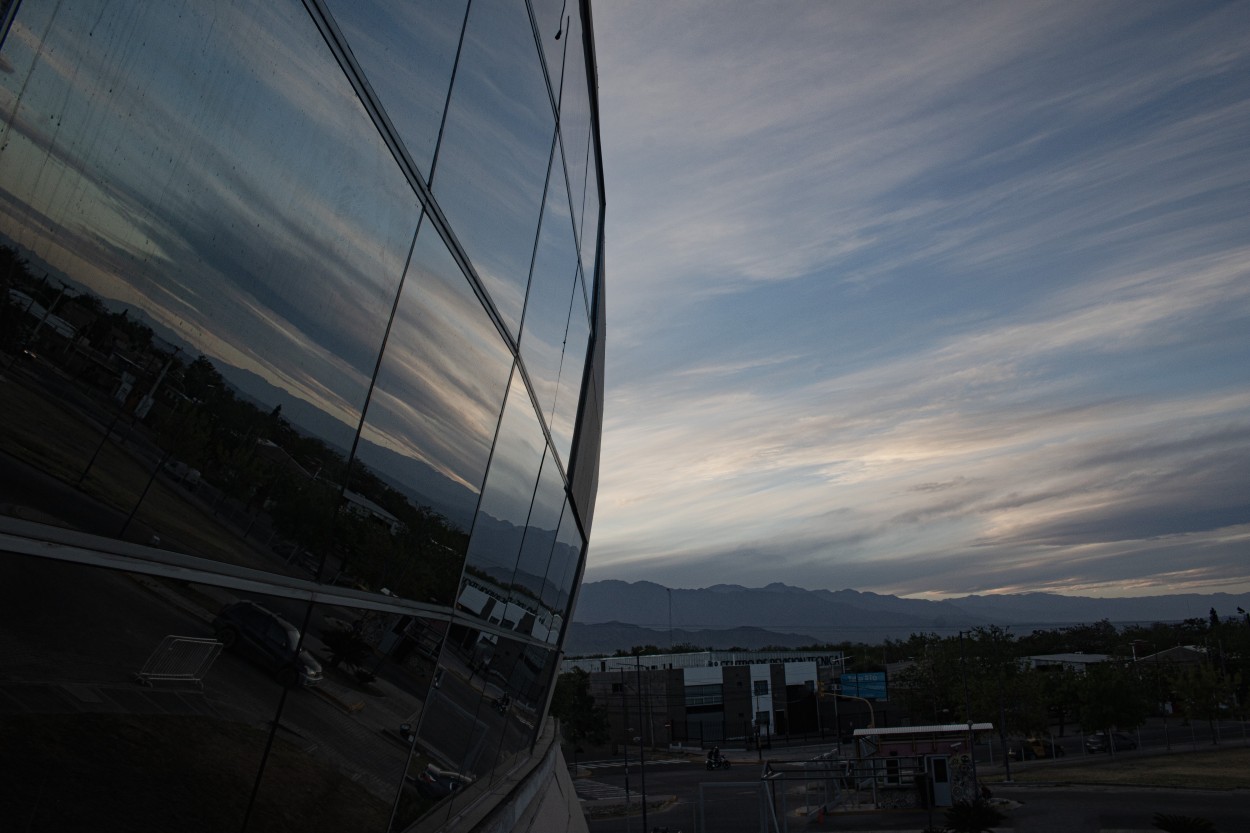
625,745
642,759
972,751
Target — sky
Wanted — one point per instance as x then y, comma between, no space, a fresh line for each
926,298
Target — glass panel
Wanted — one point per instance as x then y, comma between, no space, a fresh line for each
502,514
465,714
590,225
415,645
575,116
551,287
492,160
426,440
573,364
527,668
553,35
407,51
525,596
115,703
230,232
562,572
377,669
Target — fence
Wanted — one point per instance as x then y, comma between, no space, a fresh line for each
179,659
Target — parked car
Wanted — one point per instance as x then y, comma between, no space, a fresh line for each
1034,747
433,782
1114,742
268,640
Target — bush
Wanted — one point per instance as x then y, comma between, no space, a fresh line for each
1183,824
346,647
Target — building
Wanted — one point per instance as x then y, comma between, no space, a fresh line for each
702,698
1077,662
344,262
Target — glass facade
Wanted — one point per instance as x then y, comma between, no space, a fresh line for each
301,362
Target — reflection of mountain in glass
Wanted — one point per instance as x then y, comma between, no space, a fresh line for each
241,452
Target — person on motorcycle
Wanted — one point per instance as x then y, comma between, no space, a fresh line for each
714,755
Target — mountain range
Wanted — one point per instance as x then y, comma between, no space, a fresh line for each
614,615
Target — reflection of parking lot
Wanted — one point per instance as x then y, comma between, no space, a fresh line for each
72,637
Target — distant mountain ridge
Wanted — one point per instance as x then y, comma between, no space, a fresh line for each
607,637
830,615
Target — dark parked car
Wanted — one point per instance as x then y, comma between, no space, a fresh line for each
1115,742
267,639
433,782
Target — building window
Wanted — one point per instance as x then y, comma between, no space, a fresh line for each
761,688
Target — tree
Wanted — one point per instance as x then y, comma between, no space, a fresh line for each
1111,697
1206,693
581,719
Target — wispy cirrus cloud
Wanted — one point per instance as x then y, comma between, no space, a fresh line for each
930,301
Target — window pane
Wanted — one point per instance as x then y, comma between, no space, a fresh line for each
179,753
231,232
575,117
552,286
572,367
553,34
465,715
492,160
426,439
590,225
565,556
525,596
377,668
501,517
407,51
531,669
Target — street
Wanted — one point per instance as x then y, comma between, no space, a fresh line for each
732,800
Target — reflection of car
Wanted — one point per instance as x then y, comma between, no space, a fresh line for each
269,640
433,782
1102,742
1034,747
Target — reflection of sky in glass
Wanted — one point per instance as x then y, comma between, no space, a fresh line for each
492,160
210,166
510,483
551,287
590,227
562,571
571,371
443,376
547,18
407,51
575,121
540,533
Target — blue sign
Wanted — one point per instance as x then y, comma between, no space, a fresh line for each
869,684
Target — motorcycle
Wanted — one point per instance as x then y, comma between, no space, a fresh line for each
717,763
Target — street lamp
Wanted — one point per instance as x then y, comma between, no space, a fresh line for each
972,752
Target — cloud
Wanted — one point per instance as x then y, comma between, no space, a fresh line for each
927,306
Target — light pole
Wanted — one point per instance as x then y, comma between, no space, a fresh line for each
642,758
1002,718
972,752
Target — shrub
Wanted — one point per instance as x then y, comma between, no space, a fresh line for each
1183,824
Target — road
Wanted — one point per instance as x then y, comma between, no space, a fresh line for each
81,629
732,800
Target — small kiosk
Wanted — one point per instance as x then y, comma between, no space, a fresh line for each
932,762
